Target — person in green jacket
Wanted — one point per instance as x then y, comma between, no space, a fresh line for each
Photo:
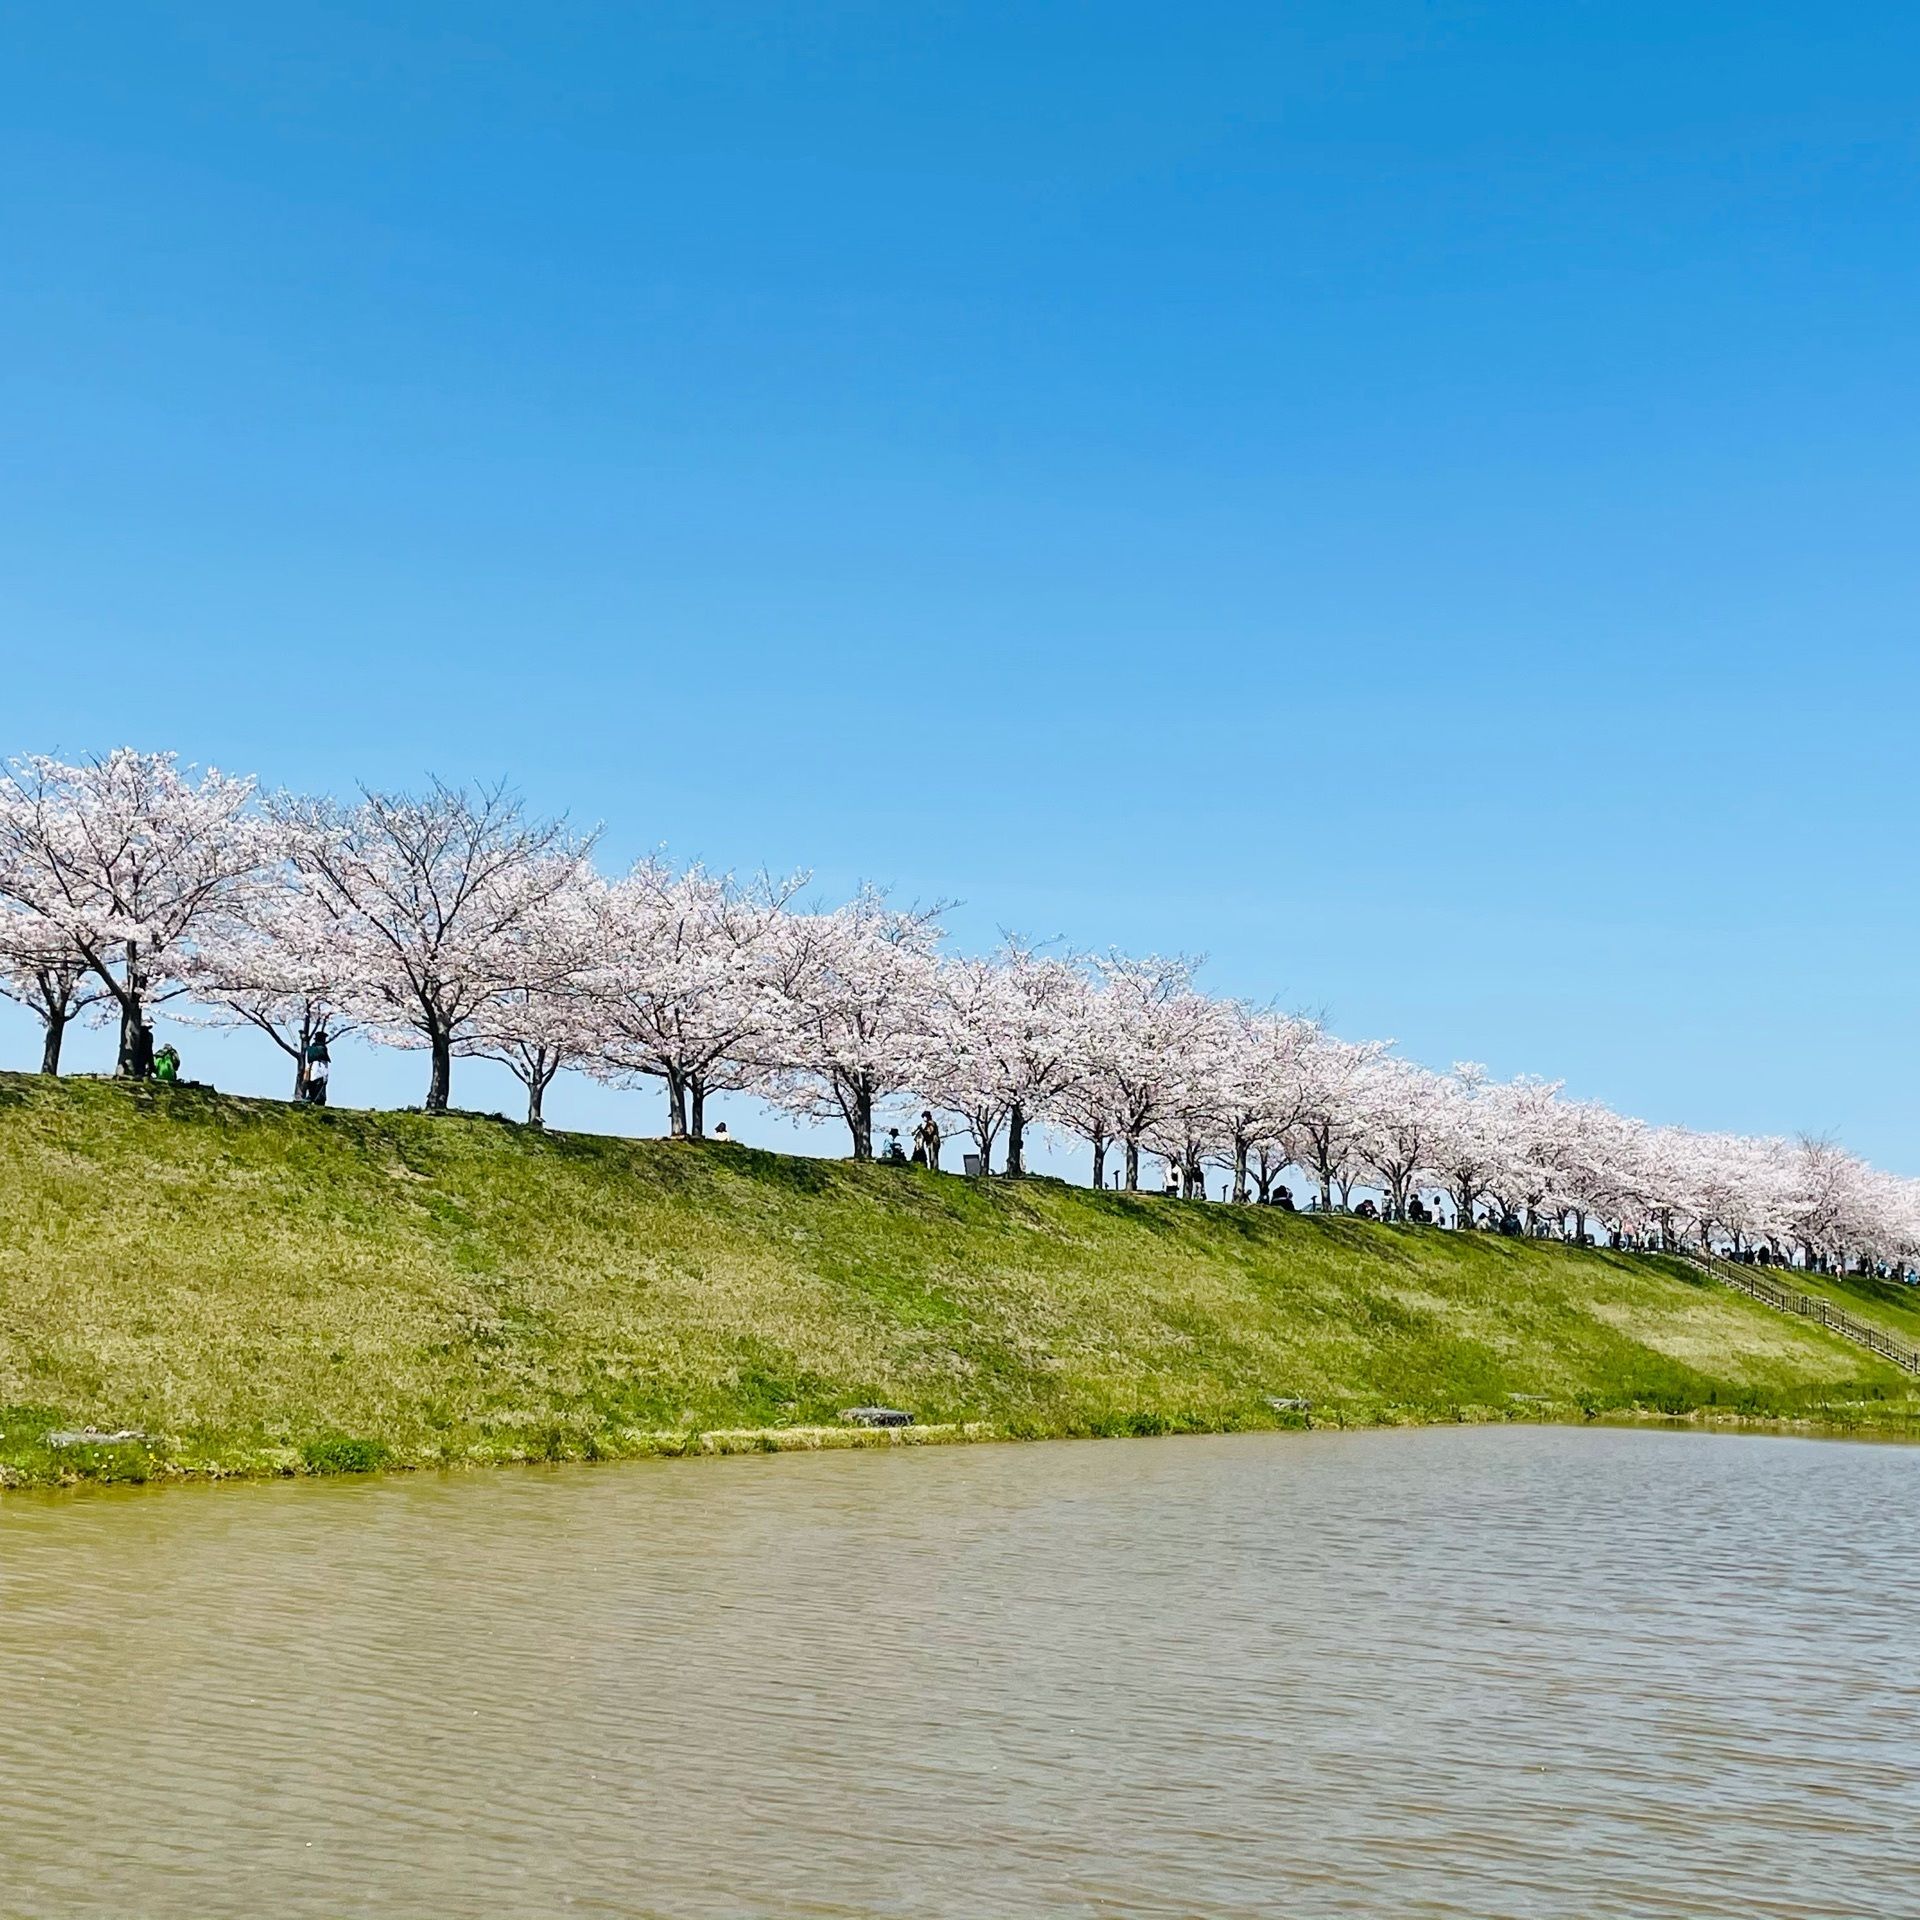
166,1063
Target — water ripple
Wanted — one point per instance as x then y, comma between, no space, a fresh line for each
1484,1673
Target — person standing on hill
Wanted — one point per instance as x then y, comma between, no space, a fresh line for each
926,1141
319,1066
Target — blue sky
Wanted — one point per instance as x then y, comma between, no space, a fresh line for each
1414,502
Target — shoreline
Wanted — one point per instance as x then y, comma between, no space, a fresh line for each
156,1471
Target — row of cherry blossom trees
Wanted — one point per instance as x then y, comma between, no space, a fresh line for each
450,922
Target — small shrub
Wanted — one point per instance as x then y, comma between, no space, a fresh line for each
343,1453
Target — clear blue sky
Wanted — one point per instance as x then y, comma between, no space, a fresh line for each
1416,502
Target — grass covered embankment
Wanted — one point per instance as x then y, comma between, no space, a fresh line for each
263,1288
1890,1305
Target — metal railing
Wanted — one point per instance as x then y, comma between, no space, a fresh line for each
1756,1285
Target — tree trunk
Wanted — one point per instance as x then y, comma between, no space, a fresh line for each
50,1049
127,1065
307,1031
1326,1191
861,1123
1016,1141
440,1082
676,1104
1239,1172
136,1059
1133,1164
1099,1160
697,1088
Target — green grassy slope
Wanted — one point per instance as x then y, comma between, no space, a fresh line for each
1890,1305
264,1288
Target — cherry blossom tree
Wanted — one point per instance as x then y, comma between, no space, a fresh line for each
1188,1127
1595,1155
1008,1043
1400,1108
1827,1201
1529,1128
550,1019
1049,998
1329,1133
120,858
858,994
276,960
533,1032
691,982
1471,1140
1084,1105
49,977
970,1015
432,894
1140,1018
1259,1085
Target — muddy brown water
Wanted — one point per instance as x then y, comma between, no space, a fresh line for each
1472,1672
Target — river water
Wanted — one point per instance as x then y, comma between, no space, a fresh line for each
1471,1671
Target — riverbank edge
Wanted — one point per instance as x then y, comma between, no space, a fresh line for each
149,1463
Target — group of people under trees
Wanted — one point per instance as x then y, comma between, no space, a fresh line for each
449,922
146,1061
926,1145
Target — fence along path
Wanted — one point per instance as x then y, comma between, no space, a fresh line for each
1754,1283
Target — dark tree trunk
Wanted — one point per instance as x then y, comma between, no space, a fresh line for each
676,1104
1240,1172
860,1123
440,1081
50,1048
697,1088
536,1094
1099,1160
1016,1141
136,1053
1133,1164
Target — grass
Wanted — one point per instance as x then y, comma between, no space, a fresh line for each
1890,1305
260,1288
